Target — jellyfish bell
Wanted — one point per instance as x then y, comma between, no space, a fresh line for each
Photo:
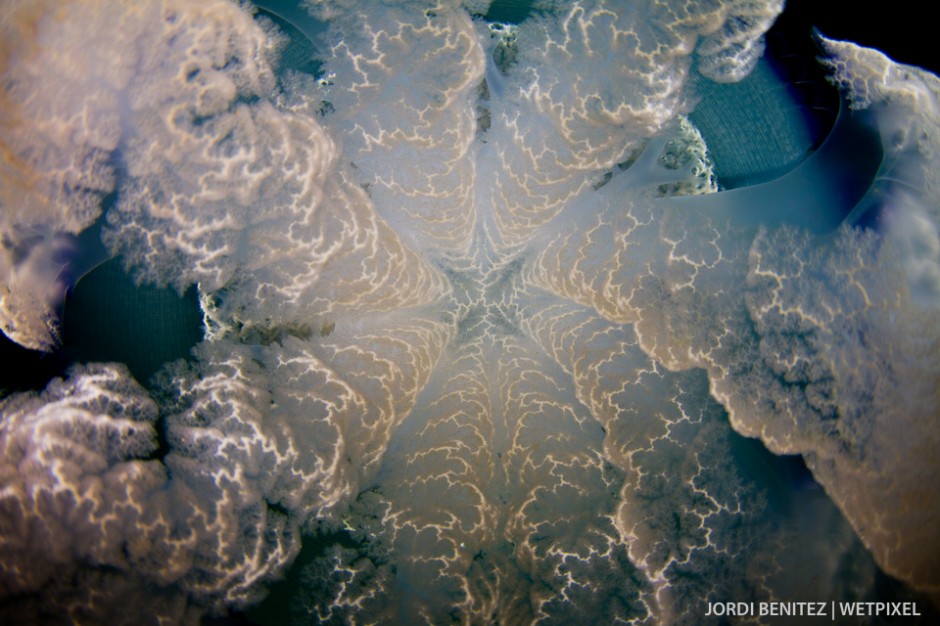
470,353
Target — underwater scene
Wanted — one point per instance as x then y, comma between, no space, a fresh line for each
468,312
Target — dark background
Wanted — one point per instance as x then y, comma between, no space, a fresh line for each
902,29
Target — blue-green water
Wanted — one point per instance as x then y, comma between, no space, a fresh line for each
108,317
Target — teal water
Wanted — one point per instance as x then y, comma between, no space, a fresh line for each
299,53
754,130
108,317
509,11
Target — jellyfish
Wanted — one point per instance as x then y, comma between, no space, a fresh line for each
541,314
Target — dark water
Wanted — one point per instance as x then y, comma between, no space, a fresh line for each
109,318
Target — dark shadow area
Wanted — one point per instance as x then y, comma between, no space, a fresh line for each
905,30
24,369
302,31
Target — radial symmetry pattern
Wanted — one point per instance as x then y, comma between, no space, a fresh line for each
505,318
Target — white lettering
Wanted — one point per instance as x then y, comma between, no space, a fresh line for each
737,609
877,609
